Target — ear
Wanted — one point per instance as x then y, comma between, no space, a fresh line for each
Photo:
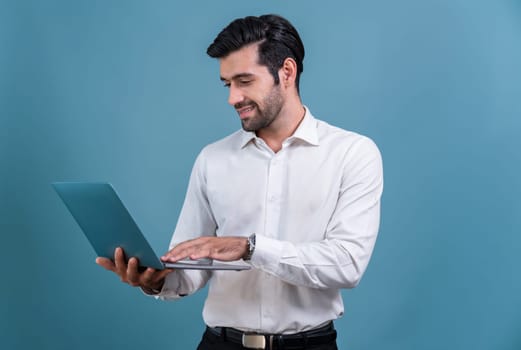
288,72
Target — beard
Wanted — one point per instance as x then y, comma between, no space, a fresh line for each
265,115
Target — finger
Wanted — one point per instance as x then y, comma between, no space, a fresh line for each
180,254
153,278
106,263
132,272
163,273
185,249
200,253
160,275
119,256
150,277
121,264
175,254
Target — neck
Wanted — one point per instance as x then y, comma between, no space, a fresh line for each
283,126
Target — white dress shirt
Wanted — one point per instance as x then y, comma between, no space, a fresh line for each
315,209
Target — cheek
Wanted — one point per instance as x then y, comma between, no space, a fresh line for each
259,94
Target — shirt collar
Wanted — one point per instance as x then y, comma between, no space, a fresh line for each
306,131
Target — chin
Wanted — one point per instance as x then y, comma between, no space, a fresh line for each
246,126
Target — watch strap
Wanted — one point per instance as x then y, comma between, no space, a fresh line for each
250,247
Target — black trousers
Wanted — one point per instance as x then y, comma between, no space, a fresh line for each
211,341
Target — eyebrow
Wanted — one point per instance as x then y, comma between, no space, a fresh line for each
238,76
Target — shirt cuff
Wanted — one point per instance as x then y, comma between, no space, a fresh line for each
151,292
267,254
169,290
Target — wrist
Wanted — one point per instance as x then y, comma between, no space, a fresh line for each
154,289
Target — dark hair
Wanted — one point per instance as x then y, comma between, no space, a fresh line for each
277,37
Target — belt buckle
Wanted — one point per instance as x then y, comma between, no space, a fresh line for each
253,341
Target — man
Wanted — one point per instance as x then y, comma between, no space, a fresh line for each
294,197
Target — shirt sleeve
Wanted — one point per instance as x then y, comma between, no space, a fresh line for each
339,260
195,220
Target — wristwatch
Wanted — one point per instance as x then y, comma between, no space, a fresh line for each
250,247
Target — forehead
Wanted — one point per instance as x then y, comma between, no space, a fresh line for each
242,61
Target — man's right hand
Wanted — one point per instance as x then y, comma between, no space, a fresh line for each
150,280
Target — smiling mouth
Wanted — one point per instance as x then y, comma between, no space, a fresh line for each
245,110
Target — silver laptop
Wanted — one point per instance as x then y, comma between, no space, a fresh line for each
107,224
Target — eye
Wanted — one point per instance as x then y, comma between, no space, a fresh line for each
226,85
245,82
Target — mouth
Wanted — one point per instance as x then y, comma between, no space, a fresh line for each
245,112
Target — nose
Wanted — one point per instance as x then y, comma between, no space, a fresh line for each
235,96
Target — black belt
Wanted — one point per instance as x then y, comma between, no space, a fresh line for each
318,336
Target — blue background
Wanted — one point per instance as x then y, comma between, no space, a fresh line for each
122,91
